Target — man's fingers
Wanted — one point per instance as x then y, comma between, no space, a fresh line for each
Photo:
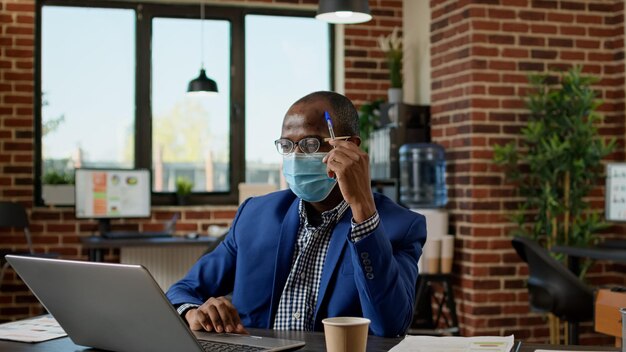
239,329
215,318
203,320
224,308
220,315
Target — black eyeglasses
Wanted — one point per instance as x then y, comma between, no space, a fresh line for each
307,145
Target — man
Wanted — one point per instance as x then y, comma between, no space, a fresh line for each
326,247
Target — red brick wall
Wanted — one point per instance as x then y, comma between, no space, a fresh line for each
56,230
482,52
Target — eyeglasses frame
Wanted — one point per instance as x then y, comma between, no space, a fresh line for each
293,148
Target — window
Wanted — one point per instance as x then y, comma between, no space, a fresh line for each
87,88
190,133
113,93
293,57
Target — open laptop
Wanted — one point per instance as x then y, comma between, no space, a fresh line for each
120,307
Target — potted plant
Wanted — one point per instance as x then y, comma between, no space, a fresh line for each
369,117
57,188
392,47
183,189
558,162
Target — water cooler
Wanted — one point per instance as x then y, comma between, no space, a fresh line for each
423,189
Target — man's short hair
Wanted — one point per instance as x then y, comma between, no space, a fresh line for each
344,114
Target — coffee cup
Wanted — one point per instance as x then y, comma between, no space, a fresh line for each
447,253
432,253
346,334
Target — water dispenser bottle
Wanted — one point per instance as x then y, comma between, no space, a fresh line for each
423,175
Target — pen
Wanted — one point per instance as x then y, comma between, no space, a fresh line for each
329,122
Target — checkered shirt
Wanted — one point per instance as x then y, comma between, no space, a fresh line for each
303,281
299,298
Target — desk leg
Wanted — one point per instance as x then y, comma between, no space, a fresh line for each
95,255
573,334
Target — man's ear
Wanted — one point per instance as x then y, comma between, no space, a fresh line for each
356,140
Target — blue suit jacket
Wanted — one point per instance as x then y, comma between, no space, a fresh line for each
374,278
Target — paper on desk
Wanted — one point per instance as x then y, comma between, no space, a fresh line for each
454,344
36,329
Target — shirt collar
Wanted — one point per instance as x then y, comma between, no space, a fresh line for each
328,216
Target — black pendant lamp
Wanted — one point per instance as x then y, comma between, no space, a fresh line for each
202,84
343,11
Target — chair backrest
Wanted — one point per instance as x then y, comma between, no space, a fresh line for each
13,215
552,287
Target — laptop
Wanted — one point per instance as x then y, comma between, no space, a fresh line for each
120,307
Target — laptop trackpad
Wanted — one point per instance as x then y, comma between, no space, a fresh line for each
270,343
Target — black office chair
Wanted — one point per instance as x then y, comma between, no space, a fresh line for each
14,215
553,288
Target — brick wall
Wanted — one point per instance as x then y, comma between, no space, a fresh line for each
56,230
482,52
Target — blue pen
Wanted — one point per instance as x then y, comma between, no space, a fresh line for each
329,122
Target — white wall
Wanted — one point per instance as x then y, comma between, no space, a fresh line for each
416,62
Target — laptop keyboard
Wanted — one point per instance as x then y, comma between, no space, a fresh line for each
212,346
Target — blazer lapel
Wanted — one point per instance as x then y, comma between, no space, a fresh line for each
284,256
336,246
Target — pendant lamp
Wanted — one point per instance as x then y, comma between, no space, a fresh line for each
343,11
202,84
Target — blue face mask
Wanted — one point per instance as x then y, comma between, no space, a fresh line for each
307,177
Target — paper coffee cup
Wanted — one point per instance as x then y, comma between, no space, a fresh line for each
432,250
447,253
346,334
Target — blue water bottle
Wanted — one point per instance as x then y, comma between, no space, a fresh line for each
423,175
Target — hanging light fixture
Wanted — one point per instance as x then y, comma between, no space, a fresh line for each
343,11
202,84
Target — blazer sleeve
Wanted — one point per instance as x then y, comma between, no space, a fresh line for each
212,275
385,277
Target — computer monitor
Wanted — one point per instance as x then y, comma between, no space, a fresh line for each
109,193
615,193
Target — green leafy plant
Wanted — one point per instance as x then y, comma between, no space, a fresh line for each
183,186
558,161
392,47
369,116
54,177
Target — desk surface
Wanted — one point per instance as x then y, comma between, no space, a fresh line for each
95,242
314,342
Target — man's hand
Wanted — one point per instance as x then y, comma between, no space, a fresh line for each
350,165
216,314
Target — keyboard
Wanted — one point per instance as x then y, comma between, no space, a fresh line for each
134,234
213,346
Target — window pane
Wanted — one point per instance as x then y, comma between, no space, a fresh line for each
286,58
190,136
88,88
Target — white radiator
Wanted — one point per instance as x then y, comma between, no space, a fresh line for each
166,264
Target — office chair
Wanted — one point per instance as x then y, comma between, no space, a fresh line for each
14,215
553,288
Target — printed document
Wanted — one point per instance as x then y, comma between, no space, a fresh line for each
36,329
454,344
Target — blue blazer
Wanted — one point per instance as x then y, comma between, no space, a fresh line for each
373,278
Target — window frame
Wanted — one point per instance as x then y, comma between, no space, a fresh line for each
144,13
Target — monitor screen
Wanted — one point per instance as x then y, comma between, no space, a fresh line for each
108,193
615,194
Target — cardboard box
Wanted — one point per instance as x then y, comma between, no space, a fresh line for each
608,318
